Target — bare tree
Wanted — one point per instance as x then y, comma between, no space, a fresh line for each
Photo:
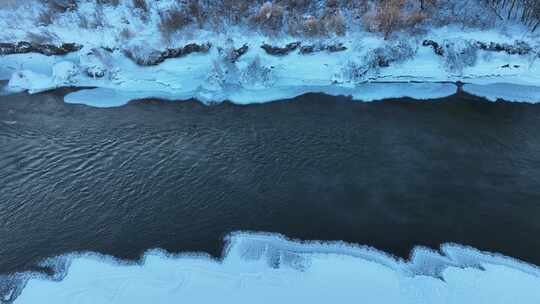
389,16
525,11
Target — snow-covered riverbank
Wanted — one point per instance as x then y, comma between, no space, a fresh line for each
260,77
238,64
266,268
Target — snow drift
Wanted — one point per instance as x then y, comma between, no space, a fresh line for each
267,268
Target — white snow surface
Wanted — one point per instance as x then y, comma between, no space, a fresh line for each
268,268
64,72
105,97
29,80
506,91
207,78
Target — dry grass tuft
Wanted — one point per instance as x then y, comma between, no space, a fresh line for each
269,18
388,16
334,22
196,11
53,8
46,18
173,21
313,27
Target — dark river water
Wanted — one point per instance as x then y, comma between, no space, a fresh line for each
182,175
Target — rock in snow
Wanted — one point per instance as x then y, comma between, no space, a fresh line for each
280,51
518,48
24,47
157,57
331,48
439,50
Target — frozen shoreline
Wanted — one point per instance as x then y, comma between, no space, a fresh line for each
112,95
268,268
257,76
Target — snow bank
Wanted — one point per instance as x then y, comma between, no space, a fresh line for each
63,74
103,97
258,77
263,268
31,81
106,98
506,91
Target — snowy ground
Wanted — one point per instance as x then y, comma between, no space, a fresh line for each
210,78
260,268
207,78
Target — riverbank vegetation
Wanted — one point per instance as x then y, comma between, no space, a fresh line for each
298,18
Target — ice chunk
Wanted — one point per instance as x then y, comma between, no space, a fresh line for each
31,81
506,91
104,97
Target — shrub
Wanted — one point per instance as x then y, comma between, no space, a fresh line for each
196,11
173,21
466,13
335,23
313,27
353,72
53,8
269,18
415,18
525,11
92,20
385,55
459,55
223,73
216,77
389,16
141,9
295,25
141,5
126,34
61,6
233,10
255,74
376,59
46,18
